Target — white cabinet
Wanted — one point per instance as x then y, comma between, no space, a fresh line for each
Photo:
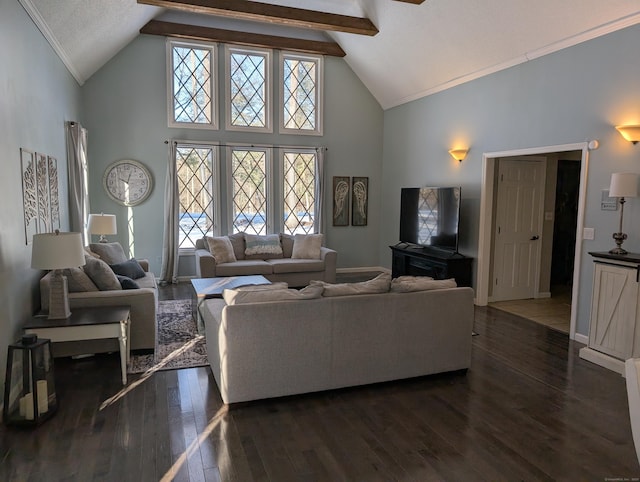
615,322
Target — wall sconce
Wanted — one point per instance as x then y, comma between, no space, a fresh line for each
459,154
630,133
623,185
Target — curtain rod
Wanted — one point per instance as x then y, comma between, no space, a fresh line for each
247,145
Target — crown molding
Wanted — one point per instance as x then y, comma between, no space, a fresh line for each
37,19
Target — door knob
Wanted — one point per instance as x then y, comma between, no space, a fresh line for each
533,238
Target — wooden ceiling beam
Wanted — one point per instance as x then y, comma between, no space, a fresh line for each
276,14
193,32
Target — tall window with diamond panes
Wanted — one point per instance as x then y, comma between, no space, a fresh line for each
249,169
192,100
301,94
196,192
299,191
248,77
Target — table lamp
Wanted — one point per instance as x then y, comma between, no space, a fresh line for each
56,251
102,224
623,185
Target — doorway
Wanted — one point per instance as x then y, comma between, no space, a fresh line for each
550,274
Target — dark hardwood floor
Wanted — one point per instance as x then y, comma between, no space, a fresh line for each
528,409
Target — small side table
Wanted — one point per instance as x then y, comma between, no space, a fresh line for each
88,324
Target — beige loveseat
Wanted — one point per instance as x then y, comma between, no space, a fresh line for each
275,348
143,303
295,272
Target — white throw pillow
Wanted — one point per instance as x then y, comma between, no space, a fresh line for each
262,246
237,297
379,284
407,284
221,249
306,246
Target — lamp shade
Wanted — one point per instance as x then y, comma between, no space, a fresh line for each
624,184
57,251
102,224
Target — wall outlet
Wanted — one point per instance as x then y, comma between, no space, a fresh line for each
588,233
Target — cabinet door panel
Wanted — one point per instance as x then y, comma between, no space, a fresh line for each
613,310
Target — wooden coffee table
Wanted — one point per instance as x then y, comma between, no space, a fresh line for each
213,287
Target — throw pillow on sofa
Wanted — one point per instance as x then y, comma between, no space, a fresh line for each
262,247
127,283
237,297
379,284
130,268
110,253
221,249
407,284
306,246
100,273
78,281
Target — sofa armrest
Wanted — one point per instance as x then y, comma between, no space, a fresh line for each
144,263
205,264
330,258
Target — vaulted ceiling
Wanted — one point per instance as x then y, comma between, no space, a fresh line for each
420,47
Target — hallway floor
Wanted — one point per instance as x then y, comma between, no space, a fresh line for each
554,312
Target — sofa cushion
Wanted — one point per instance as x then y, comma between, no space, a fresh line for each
262,247
110,253
149,281
237,241
406,284
288,265
306,246
101,274
286,241
243,268
236,297
127,283
221,249
78,281
379,284
130,268
278,285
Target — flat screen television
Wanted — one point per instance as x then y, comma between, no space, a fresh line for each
429,216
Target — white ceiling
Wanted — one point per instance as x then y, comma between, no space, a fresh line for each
420,49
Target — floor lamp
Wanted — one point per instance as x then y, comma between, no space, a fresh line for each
56,251
623,185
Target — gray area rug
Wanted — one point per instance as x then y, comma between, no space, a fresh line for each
178,343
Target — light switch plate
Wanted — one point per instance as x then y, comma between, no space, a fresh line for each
588,233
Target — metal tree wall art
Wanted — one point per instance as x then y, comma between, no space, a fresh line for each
40,196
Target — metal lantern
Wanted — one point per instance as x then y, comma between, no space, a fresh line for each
29,392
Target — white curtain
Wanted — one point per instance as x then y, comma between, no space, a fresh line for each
169,273
78,178
319,225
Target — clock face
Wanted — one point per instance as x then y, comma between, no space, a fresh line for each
128,182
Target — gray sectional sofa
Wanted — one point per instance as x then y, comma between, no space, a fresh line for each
295,272
275,348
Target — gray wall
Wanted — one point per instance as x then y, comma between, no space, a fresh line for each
37,95
125,112
571,96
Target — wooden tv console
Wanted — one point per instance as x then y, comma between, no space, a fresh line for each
425,261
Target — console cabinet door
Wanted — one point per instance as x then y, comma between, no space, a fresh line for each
614,310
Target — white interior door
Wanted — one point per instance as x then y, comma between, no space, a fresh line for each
519,202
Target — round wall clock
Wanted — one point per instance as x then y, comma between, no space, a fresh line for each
127,182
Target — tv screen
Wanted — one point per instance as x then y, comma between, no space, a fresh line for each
429,216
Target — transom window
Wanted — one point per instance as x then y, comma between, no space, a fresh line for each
192,99
301,94
248,75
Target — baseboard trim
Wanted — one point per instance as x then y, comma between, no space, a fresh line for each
362,269
544,294
580,338
603,360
